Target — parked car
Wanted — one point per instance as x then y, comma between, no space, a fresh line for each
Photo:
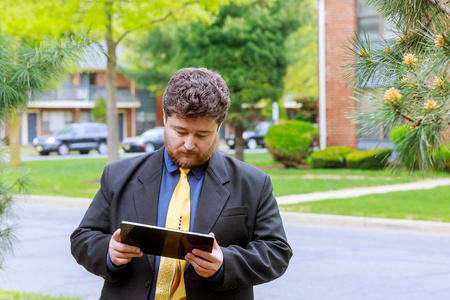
252,138
81,137
149,141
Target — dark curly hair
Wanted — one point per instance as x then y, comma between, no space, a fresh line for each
197,92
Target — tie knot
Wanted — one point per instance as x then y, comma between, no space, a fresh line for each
184,171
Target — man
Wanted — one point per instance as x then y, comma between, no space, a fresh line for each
226,198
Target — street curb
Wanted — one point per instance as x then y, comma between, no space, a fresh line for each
381,223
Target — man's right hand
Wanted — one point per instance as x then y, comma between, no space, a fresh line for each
119,253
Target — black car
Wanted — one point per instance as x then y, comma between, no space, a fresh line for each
252,138
81,137
149,141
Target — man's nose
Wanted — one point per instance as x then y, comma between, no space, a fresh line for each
189,143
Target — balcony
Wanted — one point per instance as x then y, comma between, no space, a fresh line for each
75,92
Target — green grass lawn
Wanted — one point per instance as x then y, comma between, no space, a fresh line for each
431,205
81,178
300,181
70,178
16,295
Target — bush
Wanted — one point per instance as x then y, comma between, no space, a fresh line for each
369,159
291,142
398,136
445,152
440,157
331,157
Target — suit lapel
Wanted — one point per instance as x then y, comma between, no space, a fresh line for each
147,195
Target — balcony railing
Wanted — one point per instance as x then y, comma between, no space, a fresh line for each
75,92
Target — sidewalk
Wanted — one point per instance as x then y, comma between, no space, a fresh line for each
307,218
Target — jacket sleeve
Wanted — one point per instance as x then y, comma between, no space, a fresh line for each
90,241
266,256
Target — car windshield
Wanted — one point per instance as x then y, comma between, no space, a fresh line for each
64,130
263,127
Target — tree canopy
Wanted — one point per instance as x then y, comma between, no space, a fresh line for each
113,21
246,45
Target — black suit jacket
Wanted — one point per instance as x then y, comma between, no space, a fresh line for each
236,204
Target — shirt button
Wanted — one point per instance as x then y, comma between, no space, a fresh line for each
147,283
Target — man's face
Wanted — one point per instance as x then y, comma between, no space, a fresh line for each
190,142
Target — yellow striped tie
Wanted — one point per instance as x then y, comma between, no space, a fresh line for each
170,282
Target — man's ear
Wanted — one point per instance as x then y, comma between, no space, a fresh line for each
218,127
164,118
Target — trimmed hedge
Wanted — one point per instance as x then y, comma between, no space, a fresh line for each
369,159
331,157
290,142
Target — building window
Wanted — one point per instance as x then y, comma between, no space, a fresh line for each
85,116
377,29
53,120
372,24
145,120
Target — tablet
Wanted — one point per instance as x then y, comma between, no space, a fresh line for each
162,241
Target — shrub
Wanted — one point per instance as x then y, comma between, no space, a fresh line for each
445,152
439,157
291,142
369,159
398,136
331,157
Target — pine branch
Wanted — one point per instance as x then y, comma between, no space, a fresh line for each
440,6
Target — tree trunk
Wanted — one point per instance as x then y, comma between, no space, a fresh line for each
239,142
111,96
14,139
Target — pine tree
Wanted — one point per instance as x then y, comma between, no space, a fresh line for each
27,71
411,79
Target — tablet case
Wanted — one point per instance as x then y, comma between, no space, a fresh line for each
162,241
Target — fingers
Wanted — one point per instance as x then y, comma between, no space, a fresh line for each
120,253
206,264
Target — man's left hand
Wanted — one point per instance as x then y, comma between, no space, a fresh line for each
206,264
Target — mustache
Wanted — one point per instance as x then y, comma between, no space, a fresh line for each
184,151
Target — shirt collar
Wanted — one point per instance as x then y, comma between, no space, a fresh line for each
172,167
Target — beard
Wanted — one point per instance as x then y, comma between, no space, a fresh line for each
189,159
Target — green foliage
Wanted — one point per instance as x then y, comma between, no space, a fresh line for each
28,70
301,75
99,110
246,45
405,140
149,58
291,142
445,152
372,159
410,74
10,185
17,295
309,111
331,157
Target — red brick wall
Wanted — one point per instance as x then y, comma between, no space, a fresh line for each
341,23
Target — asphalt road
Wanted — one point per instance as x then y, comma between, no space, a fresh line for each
328,263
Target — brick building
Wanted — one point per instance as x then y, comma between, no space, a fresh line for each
73,101
338,21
